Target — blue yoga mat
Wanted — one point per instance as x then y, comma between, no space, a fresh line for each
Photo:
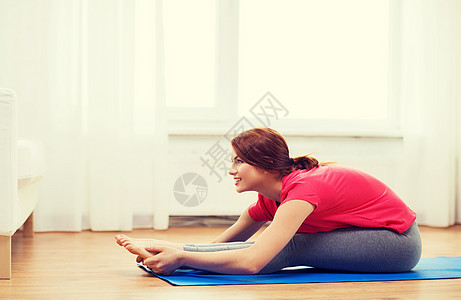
428,268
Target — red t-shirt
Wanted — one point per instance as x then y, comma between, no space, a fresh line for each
343,197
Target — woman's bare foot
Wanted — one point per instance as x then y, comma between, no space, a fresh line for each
138,246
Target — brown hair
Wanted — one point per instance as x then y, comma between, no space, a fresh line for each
265,148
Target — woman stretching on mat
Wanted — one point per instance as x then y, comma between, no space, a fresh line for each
323,215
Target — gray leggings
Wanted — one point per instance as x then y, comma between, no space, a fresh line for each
354,249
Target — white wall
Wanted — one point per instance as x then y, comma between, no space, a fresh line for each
380,157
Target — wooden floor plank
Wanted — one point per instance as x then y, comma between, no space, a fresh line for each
89,265
5,257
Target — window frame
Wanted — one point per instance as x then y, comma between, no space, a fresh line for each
224,114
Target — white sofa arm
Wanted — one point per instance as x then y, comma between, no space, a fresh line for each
18,181
8,162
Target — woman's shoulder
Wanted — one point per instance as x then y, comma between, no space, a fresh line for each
320,173
302,176
303,173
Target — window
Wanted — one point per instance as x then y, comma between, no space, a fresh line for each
328,62
189,41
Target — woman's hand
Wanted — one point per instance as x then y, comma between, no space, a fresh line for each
165,260
287,221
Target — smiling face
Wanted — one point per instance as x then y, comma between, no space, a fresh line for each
246,176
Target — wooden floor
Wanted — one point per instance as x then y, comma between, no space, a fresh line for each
89,265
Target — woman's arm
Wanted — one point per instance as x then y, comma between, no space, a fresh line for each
251,260
241,230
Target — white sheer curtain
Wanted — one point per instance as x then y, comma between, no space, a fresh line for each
89,75
431,96
89,80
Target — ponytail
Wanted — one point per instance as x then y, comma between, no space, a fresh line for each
305,162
